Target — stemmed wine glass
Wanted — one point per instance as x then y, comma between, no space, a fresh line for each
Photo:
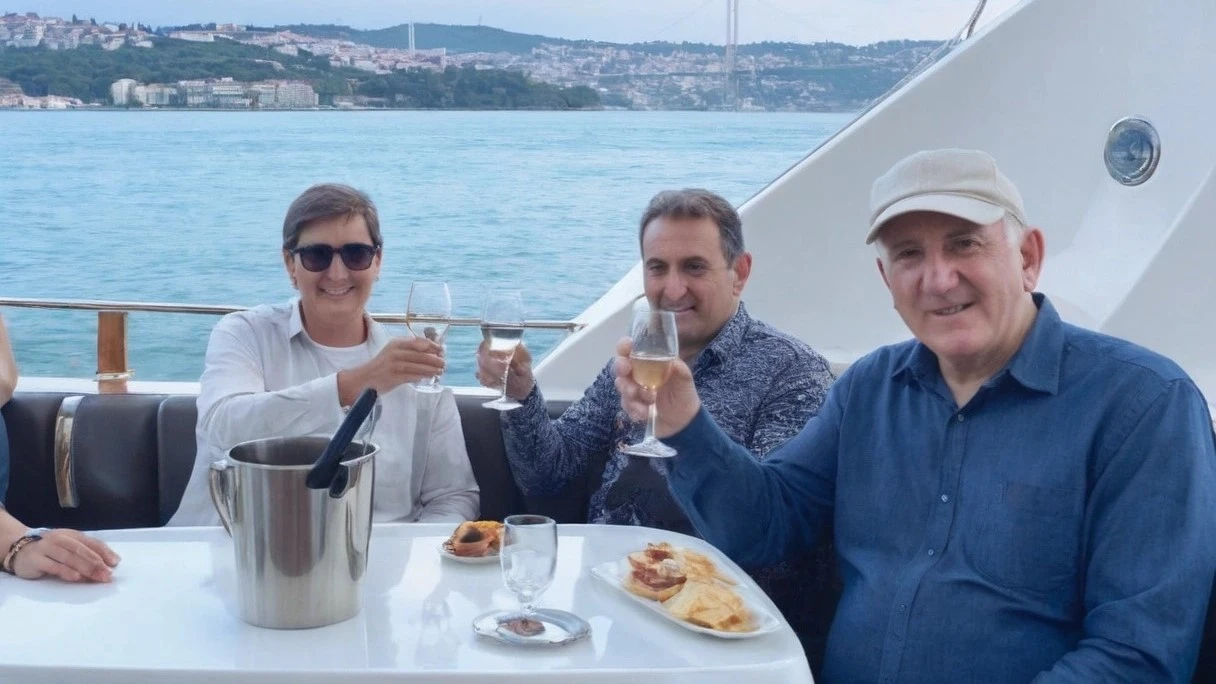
529,560
429,299
502,326
655,347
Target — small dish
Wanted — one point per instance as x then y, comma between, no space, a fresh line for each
613,573
560,628
445,550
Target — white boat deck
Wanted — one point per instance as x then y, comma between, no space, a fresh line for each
170,616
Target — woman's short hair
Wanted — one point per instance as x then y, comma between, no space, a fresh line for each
326,201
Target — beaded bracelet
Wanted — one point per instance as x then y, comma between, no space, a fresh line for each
22,541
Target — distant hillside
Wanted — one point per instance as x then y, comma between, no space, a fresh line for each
487,39
430,36
86,73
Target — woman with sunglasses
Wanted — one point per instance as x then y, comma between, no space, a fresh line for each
290,369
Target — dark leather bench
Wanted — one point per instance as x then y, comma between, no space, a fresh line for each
132,456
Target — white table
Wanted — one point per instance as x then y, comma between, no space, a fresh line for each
170,616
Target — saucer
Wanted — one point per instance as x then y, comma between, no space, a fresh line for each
560,627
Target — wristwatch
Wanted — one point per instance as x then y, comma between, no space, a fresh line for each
24,540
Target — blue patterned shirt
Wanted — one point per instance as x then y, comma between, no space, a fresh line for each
758,383
1059,527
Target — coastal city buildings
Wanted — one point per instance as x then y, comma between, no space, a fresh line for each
767,76
29,30
222,93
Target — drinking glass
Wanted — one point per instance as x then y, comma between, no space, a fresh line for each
529,559
655,347
502,327
429,299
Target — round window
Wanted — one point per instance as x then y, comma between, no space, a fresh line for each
1132,151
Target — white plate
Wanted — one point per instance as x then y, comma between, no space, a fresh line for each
613,572
471,560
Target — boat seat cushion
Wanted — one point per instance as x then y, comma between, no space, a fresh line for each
134,454
175,451
500,496
30,421
114,455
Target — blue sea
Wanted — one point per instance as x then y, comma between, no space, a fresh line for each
177,206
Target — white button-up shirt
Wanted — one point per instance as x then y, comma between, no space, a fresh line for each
265,377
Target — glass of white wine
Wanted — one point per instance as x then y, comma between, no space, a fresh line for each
429,300
655,346
502,327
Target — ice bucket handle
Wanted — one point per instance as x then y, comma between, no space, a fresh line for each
220,480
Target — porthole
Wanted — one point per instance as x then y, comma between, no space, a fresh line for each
1132,151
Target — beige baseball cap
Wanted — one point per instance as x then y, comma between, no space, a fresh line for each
962,183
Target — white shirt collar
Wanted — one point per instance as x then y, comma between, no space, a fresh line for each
376,334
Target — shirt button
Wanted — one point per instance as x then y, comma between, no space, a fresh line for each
960,417
930,552
902,607
945,498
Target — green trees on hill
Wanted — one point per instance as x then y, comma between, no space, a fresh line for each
469,88
87,73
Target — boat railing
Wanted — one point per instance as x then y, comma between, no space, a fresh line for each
113,370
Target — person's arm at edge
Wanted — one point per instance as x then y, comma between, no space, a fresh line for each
449,491
787,497
1151,549
11,530
67,554
8,366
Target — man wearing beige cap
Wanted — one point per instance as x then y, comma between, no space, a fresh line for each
1014,498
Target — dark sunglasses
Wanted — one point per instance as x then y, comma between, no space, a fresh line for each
355,255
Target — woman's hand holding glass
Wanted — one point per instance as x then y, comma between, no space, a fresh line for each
402,360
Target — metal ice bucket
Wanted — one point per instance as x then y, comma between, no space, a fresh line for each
301,553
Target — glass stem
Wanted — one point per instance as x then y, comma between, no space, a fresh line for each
654,415
528,606
506,373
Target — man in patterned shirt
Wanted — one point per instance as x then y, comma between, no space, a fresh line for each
759,384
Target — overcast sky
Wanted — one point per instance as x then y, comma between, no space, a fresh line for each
847,21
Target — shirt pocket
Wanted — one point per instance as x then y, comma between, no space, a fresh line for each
1030,538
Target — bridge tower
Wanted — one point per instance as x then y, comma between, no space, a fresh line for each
732,46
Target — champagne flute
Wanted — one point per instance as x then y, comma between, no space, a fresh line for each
502,326
655,346
431,299
529,560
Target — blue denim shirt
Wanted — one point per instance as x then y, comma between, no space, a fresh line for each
1060,527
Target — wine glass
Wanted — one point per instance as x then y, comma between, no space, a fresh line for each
529,560
429,299
655,347
502,327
